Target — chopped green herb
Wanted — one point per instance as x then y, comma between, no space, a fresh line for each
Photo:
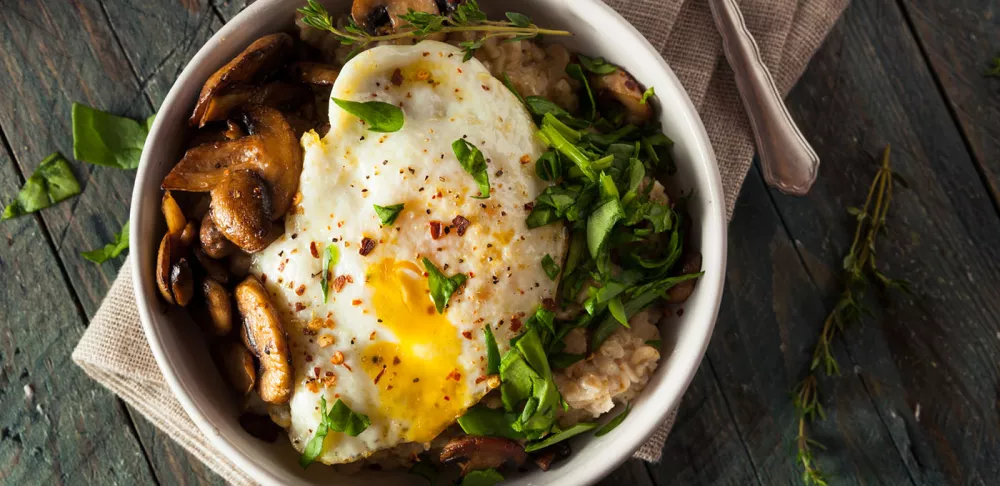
380,117
104,139
654,343
646,95
50,183
526,378
519,20
492,351
331,255
601,222
474,163
564,360
550,266
483,421
387,214
510,85
110,250
442,287
340,418
560,436
608,427
587,105
487,477
596,65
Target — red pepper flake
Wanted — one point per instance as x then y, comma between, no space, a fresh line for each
461,224
316,371
309,359
379,376
388,388
426,54
281,266
467,334
313,249
454,375
549,304
263,278
525,159
301,290
529,206
355,302
395,360
480,379
485,88
447,398
299,307
397,77
435,229
367,245
515,324
340,281
371,337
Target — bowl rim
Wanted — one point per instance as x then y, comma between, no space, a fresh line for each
668,394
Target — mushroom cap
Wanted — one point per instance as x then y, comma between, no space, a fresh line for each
264,335
219,306
236,362
475,453
372,15
213,243
622,88
241,209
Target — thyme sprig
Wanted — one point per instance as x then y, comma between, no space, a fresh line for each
859,267
467,17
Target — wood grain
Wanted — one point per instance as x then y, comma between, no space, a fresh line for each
929,363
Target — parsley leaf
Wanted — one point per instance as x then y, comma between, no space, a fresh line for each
474,163
608,427
380,117
550,266
519,20
340,418
486,477
104,139
596,65
387,214
560,436
646,95
442,287
331,255
492,351
50,183
110,250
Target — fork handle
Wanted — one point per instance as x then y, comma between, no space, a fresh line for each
789,163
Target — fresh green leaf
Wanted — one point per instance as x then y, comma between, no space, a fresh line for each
340,418
617,310
587,105
331,255
641,297
483,421
554,138
470,47
540,216
473,161
596,65
519,20
564,360
442,287
560,436
387,214
601,222
110,250
654,343
510,85
104,139
492,351
615,422
636,173
50,183
646,95
380,117
548,167
550,266
487,477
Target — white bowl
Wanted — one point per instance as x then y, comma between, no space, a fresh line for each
183,357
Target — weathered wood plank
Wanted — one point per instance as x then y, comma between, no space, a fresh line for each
56,425
229,8
930,363
704,446
959,38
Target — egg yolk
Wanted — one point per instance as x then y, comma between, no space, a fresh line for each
420,381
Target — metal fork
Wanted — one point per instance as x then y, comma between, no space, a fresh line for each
789,163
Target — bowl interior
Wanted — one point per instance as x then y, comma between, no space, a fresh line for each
183,356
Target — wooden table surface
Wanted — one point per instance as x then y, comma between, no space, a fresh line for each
919,400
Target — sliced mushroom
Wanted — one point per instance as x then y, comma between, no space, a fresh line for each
315,73
691,263
234,130
163,264
545,457
260,426
272,151
172,213
181,282
241,209
236,363
260,57
380,16
622,88
213,269
476,453
265,337
239,263
189,235
219,307
213,242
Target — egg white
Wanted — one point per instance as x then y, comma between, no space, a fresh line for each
382,312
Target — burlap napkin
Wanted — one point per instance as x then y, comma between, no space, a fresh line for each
114,351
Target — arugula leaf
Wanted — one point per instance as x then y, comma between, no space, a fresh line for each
587,105
110,250
487,477
101,138
387,214
492,351
564,360
608,427
489,422
550,266
380,117
50,183
442,287
474,163
519,20
560,436
331,255
596,65
646,95
340,418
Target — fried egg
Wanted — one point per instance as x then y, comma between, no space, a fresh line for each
377,342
